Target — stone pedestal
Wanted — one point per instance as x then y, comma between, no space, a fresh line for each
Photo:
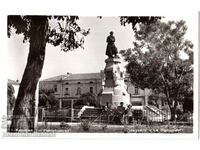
114,90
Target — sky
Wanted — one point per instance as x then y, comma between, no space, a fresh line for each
87,60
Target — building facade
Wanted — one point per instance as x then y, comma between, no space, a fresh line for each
15,85
70,86
11,99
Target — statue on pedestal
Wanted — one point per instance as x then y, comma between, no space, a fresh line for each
111,50
114,91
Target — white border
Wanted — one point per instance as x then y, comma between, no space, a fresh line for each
106,9
198,71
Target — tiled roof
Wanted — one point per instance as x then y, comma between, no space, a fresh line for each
82,76
13,82
56,78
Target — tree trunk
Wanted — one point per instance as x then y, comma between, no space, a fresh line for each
24,110
172,106
173,114
173,111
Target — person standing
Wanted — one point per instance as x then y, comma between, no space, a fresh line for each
129,114
120,112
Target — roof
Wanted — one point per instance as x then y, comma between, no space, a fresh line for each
56,78
86,76
81,76
13,82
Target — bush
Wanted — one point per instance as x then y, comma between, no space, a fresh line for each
104,128
64,125
137,115
85,125
48,99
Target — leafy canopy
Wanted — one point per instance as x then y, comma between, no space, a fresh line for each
156,61
47,98
133,20
70,35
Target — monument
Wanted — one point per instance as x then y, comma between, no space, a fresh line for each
114,91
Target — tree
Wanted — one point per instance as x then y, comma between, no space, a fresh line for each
134,20
87,99
47,98
188,102
156,61
37,31
153,100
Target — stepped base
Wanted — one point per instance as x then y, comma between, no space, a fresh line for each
114,96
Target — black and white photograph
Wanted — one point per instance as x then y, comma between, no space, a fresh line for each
107,74
100,74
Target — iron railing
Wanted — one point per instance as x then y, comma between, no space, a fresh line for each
113,117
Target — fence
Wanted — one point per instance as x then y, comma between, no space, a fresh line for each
98,115
59,115
150,117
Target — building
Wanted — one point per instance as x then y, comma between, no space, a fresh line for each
11,95
15,85
70,86
138,96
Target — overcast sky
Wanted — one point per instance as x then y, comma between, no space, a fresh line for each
91,59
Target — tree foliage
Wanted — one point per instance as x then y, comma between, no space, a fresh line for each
47,98
66,31
188,102
87,99
133,20
38,31
162,60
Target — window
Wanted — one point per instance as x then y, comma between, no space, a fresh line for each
66,91
78,91
136,90
91,82
137,103
91,89
78,82
55,88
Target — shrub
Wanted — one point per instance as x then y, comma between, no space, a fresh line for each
85,125
104,127
64,125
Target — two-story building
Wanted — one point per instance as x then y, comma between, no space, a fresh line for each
70,86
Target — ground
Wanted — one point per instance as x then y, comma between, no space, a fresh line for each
104,128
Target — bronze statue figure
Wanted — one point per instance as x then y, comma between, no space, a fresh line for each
111,50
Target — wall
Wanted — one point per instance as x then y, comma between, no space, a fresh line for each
72,86
85,85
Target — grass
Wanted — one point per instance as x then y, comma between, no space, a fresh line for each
103,128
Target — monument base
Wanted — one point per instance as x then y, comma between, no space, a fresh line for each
114,96
114,91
